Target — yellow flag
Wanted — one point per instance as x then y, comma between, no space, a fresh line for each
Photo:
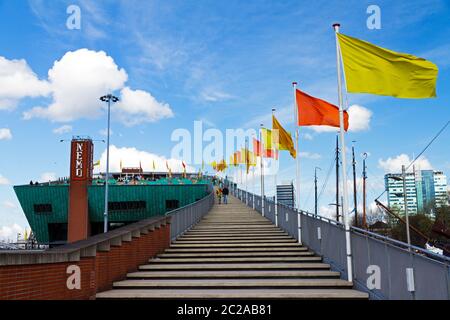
252,159
96,163
284,138
266,138
154,167
372,69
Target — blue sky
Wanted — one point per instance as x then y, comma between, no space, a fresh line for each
225,63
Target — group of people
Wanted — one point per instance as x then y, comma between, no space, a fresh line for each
222,193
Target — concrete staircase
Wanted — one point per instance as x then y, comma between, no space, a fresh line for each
234,253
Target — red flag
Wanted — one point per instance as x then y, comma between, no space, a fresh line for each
257,147
317,112
238,156
183,164
269,153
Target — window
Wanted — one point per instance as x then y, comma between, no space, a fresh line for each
43,208
57,232
172,204
127,206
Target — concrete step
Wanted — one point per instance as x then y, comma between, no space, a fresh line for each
236,254
189,241
238,266
234,259
229,219
232,294
233,245
234,249
232,232
234,221
260,226
237,274
236,237
232,283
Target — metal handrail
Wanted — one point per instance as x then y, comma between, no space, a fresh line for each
402,245
172,212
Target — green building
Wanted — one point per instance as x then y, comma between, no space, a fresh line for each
46,205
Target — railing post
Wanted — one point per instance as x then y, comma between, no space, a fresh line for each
299,226
275,205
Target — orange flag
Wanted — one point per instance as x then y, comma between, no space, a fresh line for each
271,153
257,147
317,112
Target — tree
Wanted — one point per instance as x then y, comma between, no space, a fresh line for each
421,222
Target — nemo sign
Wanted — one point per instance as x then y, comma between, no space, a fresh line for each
81,164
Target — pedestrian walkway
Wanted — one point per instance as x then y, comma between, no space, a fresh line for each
234,253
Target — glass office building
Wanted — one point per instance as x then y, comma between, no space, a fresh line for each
425,189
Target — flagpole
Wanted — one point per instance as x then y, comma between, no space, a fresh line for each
297,165
262,170
246,171
345,212
253,188
276,170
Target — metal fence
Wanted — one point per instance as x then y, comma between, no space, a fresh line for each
186,217
383,267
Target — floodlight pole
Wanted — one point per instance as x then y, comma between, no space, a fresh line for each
108,98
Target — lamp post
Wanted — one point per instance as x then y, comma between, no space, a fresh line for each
108,98
315,190
405,203
364,224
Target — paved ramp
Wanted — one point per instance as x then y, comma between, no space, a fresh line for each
234,253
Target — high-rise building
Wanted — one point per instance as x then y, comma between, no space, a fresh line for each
425,189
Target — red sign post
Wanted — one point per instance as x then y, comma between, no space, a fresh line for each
81,170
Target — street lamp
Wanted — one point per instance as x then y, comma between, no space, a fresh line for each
315,190
108,98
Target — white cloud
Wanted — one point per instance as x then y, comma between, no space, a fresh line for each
394,165
358,120
10,232
18,81
309,155
104,132
307,136
3,181
81,77
210,94
78,80
5,134
48,176
132,157
63,129
327,212
9,204
137,106
439,55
